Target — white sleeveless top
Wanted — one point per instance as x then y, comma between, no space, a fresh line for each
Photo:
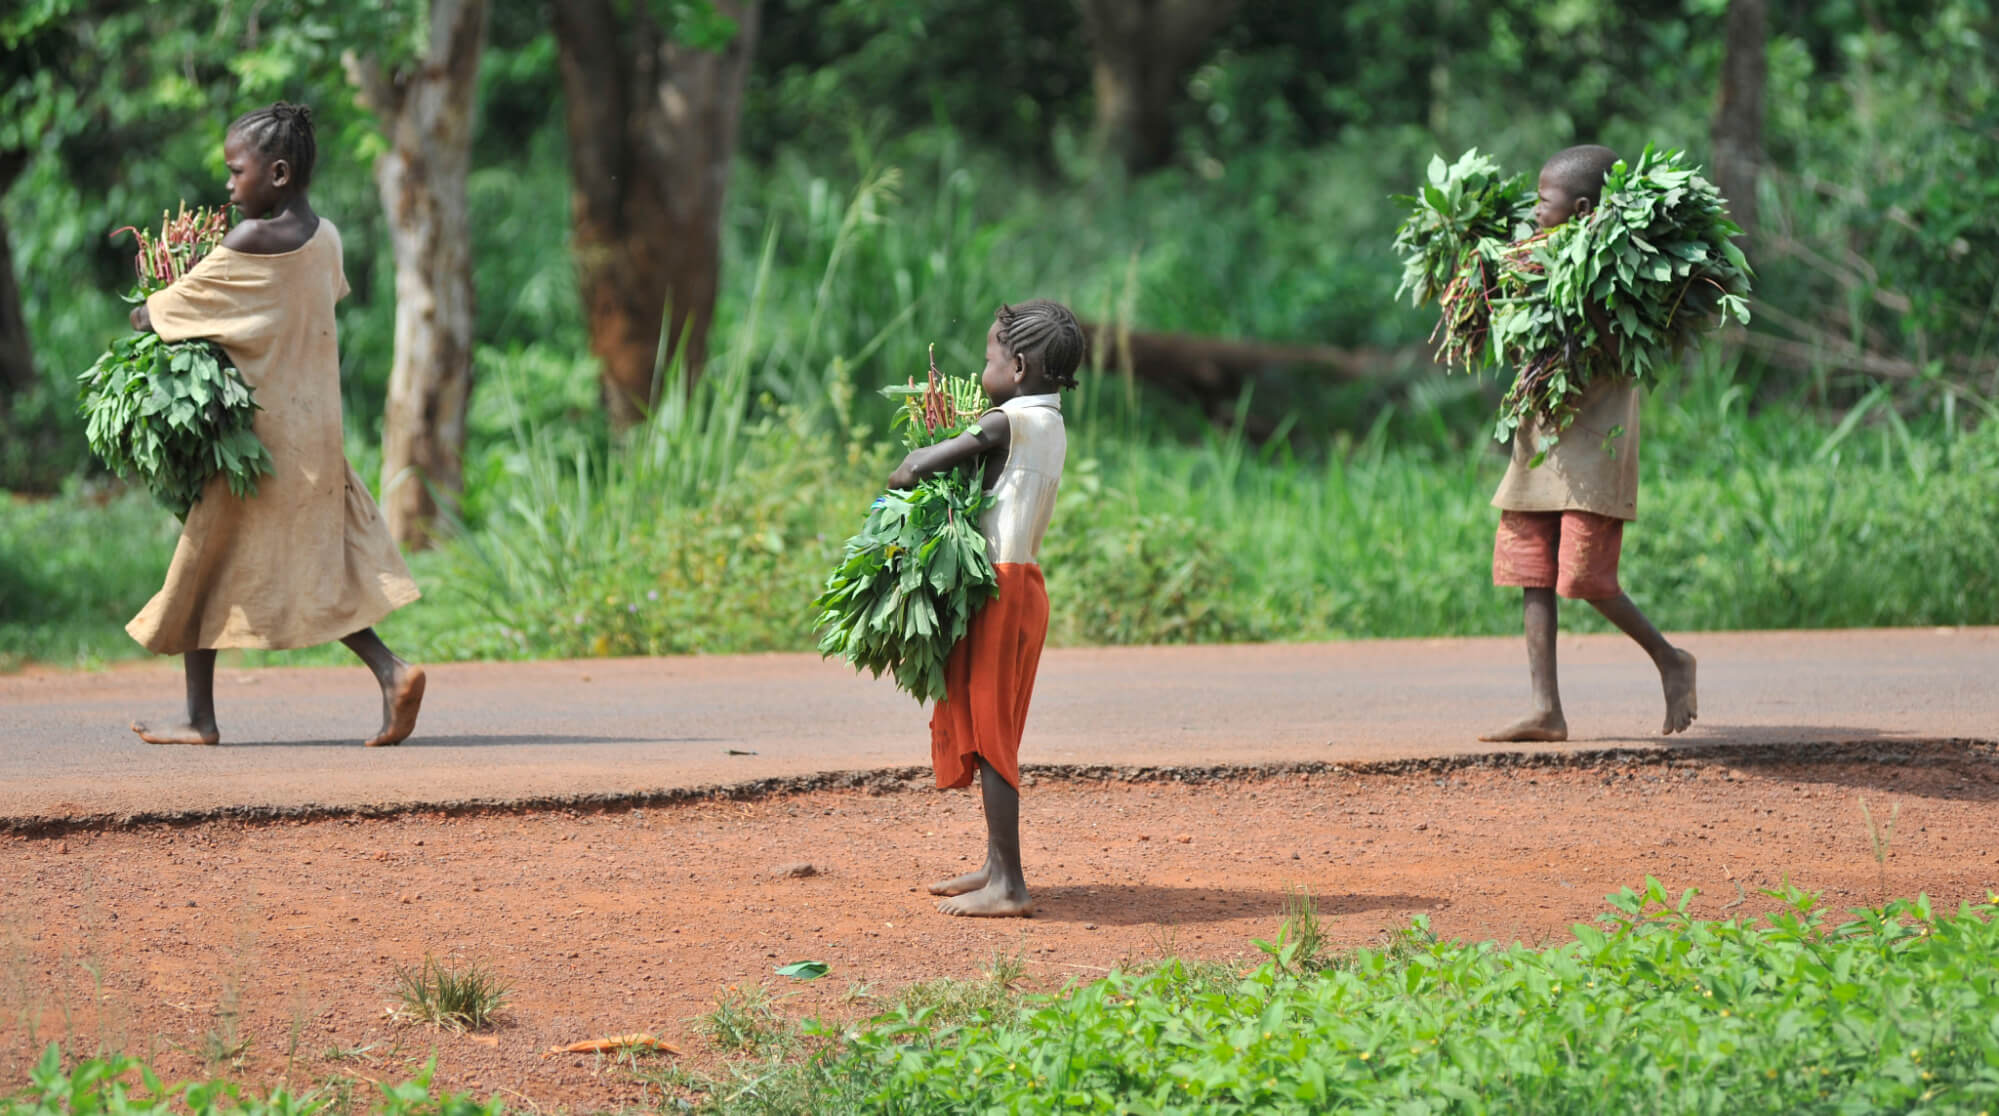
1020,503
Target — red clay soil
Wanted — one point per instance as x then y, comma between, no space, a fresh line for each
174,943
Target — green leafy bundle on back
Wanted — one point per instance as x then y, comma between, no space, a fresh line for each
1459,208
1622,290
173,413
908,584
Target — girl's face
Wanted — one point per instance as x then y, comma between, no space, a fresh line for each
256,183
1003,370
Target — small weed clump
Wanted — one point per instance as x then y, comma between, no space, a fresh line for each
746,1021
456,997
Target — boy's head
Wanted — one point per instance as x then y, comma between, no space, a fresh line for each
270,153
1571,183
1032,349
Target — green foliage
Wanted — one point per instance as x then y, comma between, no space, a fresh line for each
745,1020
120,1086
1766,519
909,583
1620,291
1649,1010
64,594
1455,210
1131,572
463,997
173,414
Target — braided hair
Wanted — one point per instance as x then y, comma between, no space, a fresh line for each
282,131
1045,333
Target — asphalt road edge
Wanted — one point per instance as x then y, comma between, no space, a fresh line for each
900,779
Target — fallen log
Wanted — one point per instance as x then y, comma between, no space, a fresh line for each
1211,372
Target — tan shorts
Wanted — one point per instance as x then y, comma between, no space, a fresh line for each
1572,552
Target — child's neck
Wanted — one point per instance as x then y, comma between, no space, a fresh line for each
296,209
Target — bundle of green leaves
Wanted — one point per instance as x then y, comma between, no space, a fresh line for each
910,582
173,413
1458,209
1621,291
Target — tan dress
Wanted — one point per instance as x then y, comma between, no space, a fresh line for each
308,559
1592,467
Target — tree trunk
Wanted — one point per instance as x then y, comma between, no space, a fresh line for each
426,113
1142,51
1738,120
652,130
17,357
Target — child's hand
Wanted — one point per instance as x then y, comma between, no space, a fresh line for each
142,321
904,475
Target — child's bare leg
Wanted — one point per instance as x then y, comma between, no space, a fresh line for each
1004,892
1676,667
200,726
402,686
1546,722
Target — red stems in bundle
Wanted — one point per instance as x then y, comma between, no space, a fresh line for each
183,240
938,410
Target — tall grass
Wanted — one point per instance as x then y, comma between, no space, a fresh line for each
708,527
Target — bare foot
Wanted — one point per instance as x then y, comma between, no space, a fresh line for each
1539,728
401,698
176,734
995,900
1682,703
970,881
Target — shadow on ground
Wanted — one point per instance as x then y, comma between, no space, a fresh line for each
1144,904
480,740
1966,770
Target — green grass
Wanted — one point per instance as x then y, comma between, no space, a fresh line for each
1768,520
73,569
457,997
120,1086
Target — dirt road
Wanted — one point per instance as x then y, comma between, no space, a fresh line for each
610,728
266,950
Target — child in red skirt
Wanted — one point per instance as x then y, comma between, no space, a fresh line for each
1032,351
1561,520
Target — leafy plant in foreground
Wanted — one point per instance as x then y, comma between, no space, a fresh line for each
121,1086
909,583
173,413
1650,1010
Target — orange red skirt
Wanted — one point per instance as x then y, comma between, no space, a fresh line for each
989,679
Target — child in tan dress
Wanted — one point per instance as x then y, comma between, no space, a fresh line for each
308,559
1561,519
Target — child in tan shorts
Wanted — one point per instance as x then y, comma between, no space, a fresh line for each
1561,519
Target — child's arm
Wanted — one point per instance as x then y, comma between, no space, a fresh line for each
993,434
142,321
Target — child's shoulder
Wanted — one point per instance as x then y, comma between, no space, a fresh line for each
270,238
